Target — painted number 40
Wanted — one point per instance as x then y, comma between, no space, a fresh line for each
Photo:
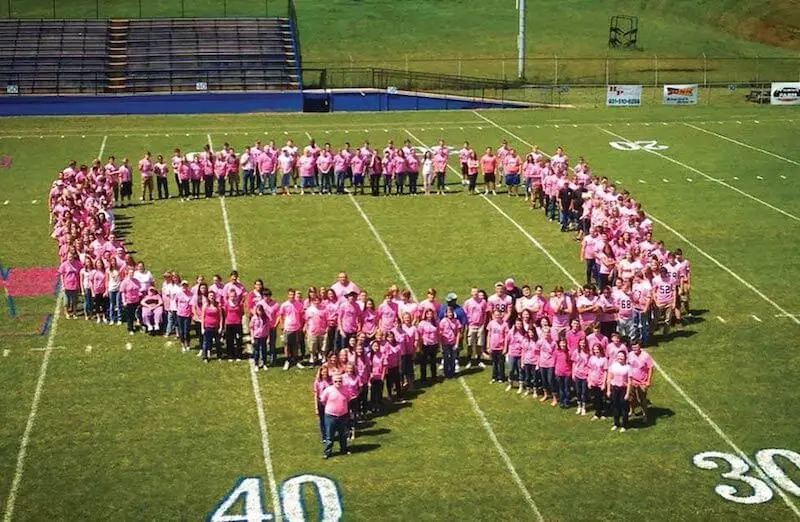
245,502
755,490
637,145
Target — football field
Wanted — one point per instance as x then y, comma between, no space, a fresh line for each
99,425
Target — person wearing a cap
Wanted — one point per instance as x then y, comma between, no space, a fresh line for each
461,316
641,367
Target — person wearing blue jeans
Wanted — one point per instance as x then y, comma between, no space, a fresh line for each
211,338
340,177
336,416
114,306
88,305
449,354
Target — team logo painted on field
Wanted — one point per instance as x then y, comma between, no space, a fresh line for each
6,162
245,501
755,490
628,146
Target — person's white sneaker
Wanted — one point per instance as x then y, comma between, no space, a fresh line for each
130,333
583,411
98,320
481,364
441,366
494,192
519,391
300,366
468,366
526,393
508,388
614,427
622,430
286,365
458,368
535,393
578,410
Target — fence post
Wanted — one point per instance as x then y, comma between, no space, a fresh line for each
655,58
705,70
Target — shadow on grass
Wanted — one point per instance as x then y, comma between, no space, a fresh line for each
357,447
654,414
373,432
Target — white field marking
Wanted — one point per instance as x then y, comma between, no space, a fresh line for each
260,410
37,397
689,180
754,316
736,178
783,177
88,348
665,180
6,352
760,177
689,167
642,181
347,132
475,407
721,320
756,121
50,349
35,201
743,144
789,502
737,121
82,136
500,450
5,202
725,268
128,346
102,147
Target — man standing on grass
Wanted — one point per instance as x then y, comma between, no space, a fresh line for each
460,315
336,403
290,316
641,368
343,286
475,309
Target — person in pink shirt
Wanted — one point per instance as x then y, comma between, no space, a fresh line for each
125,177
290,315
450,338
349,319
497,342
233,311
259,333
530,357
161,171
344,285
618,389
211,325
596,380
516,343
587,255
325,169
665,299
574,335
183,300
563,372
489,163
322,380
307,164
97,282
316,328
358,167
152,311
580,375
131,296
146,170
341,167
376,377
641,372
351,385
547,362
336,402
69,272
475,307
428,339
440,169
388,314
393,352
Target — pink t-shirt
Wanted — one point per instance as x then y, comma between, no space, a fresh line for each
580,365
449,328
316,320
387,316
476,311
70,274
428,332
516,343
597,366
547,350
378,366
234,311
640,365
259,328
131,291
497,332
292,314
349,314
618,374
563,363
335,400
97,280
183,302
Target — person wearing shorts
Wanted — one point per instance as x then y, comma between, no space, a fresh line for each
489,166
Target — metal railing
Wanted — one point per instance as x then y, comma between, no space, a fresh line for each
141,9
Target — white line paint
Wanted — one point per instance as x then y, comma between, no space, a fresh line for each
37,397
102,148
754,316
736,178
473,403
260,410
665,180
500,450
721,320
760,177
88,348
6,352
128,346
723,267
48,349
689,167
5,202
783,177
689,180
703,415
35,201
743,144
642,181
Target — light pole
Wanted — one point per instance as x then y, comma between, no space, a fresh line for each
521,40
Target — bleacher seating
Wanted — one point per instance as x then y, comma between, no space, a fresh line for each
225,54
53,56
152,55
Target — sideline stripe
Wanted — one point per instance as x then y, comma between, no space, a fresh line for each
37,397
715,180
742,144
260,410
789,502
481,415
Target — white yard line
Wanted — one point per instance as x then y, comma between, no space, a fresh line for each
260,409
703,415
710,178
743,144
37,397
473,403
308,135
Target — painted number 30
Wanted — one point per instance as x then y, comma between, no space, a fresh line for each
757,490
637,145
245,502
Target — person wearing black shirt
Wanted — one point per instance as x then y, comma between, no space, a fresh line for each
565,205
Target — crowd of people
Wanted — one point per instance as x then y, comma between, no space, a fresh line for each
580,346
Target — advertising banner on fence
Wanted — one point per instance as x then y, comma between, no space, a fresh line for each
680,94
785,93
624,96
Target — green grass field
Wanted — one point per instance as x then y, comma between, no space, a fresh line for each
141,431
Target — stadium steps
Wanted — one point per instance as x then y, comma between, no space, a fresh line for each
117,55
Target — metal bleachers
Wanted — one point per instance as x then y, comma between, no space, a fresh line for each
53,56
148,55
219,54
